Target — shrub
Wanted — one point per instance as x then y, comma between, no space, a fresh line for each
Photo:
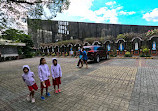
43,54
37,53
90,40
142,55
128,54
145,55
66,42
145,50
148,55
121,36
129,36
29,55
53,54
66,54
152,32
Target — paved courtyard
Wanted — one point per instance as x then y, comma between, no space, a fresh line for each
112,85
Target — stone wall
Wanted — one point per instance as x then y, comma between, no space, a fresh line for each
49,31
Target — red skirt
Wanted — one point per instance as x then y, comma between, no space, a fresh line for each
47,83
57,81
34,86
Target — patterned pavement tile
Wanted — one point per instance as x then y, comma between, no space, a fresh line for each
112,85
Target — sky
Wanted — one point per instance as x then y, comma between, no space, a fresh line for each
131,12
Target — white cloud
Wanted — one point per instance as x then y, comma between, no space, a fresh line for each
80,10
151,16
110,3
127,13
108,14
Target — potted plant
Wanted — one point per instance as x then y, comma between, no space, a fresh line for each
53,54
128,54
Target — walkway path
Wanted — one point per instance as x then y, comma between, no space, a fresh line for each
113,85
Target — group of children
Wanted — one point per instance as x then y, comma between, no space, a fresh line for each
44,74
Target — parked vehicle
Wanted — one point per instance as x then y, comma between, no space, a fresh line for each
96,53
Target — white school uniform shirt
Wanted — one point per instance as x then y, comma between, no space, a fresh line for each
28,77
43,72
56,70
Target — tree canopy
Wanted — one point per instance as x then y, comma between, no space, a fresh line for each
14,13
19,36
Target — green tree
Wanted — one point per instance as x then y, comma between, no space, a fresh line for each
19,36
12,34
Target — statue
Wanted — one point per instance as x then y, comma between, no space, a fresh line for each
121,48
109,48
136,46
154,45
52,49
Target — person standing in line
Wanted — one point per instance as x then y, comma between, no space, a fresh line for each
44,74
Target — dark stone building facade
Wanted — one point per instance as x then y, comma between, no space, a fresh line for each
47,31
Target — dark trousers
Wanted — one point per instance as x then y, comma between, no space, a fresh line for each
80,61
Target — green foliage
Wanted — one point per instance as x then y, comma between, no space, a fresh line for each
66,54
152,32
109,37
145,55
145,50
121,36
142,55
19,51
43,54
129,46
128,54
53,54
12,34
100,39
90,40
19,36
37,53
128,36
